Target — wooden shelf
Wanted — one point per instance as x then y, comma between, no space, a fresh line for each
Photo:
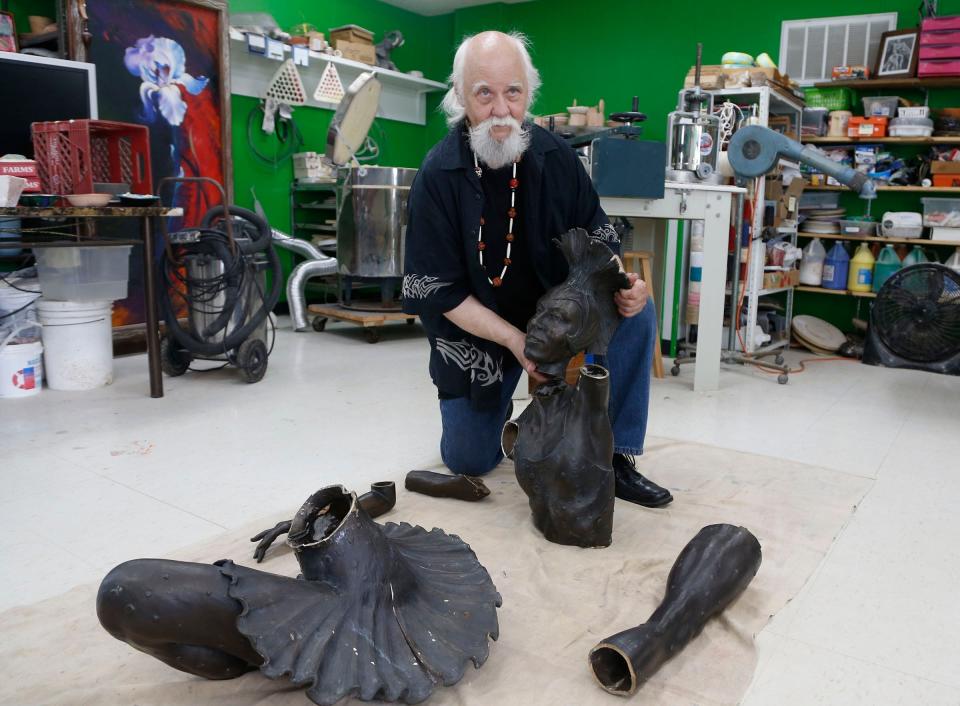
879,239
935,140
824,290
918,83
905,189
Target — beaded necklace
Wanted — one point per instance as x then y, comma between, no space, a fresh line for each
511,214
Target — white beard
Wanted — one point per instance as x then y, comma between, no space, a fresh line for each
499,153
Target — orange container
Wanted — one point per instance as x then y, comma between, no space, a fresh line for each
940,180
874,126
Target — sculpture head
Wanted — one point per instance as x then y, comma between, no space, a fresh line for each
579,314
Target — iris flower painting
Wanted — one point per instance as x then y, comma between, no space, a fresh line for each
161,64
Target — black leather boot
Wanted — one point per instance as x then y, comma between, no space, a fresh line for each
634,487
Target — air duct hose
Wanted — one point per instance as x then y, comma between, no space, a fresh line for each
317,265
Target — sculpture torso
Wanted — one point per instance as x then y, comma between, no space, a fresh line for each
562,447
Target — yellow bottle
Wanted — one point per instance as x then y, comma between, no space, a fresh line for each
861,270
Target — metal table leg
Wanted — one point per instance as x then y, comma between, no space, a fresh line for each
150,301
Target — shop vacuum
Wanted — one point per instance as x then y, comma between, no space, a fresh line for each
216,274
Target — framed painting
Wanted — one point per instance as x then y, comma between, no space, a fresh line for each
897,56
163,64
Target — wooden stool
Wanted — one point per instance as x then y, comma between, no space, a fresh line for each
639,261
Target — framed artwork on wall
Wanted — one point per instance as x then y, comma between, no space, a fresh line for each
163,64
898,53
8,33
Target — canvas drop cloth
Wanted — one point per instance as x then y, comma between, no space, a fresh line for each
558,602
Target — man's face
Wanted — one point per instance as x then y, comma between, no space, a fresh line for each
548,333
494,86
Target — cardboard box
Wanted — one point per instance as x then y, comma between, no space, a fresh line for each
940,167
779,278
364,53
351,33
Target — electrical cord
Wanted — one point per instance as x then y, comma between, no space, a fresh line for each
290,136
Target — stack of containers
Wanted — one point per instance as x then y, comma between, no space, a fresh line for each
939,46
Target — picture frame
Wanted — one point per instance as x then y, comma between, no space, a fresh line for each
8,33
163,64
897,54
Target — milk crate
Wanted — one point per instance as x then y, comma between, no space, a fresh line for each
74,154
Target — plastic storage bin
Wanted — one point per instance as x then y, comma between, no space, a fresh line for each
914,111
941,212
96,273
814,122
884,106
873,126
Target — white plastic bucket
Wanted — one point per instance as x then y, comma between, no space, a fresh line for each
21,369
78,344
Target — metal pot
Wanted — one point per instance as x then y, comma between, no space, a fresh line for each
372,220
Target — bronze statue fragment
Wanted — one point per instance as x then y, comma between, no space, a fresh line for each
712,570
562,447
444,485
383,612
380,499
580,313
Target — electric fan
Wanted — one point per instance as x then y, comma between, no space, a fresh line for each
915,321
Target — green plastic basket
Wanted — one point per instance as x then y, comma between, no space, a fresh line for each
839,98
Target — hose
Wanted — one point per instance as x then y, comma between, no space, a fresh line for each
316,265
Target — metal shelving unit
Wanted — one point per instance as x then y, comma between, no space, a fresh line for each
769,103
313,211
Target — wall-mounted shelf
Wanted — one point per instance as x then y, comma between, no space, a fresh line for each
915,189
917,83
403,96
878,239
824,290
936,140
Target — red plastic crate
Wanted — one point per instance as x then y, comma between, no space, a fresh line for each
73,154
946,37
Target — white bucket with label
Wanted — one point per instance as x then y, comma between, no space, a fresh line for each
21,369
78,343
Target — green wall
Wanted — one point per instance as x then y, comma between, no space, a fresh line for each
426,42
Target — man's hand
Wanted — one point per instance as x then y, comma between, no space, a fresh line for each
516,345
630,302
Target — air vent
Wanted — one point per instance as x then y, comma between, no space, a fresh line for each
809,49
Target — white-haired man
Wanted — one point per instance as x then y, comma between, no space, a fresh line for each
483,211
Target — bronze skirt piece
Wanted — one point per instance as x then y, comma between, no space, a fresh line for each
380,612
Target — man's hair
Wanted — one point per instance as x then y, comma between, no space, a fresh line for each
453,102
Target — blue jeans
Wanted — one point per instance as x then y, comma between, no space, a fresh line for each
470,442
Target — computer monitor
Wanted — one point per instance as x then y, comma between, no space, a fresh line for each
37,89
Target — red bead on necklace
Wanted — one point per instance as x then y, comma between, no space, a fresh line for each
511,214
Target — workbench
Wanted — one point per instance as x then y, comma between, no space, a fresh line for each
712,205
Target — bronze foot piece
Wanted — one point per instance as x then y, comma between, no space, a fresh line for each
443,485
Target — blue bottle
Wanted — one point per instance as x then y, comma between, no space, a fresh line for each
835,267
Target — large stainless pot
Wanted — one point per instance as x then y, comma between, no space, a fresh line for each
372,220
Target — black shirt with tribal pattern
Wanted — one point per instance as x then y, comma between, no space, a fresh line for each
441,267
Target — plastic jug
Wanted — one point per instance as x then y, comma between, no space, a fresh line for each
835,267
888,263
861,270
953,262
811,265
915,257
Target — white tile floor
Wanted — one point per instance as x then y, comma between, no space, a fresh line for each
89,479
